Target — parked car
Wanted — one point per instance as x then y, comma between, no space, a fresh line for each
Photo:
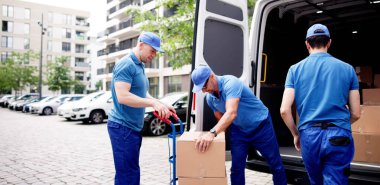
23,97
26,108
4,99
94,111
154,126
65,110
50,107
20,104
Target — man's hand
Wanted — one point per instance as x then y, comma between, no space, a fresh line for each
162,109
202,144
297,144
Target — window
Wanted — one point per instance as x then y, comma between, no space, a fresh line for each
49,32
153,64
7,11
5,55
110,67
49,45
66,33
26,43
66,19
27,13
7,26
153,86
66,46
6,42
79,76
174,84
26,28
79,48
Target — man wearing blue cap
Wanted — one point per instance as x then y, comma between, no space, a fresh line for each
235,106
129,88
322,87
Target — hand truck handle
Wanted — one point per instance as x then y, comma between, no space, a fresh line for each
155,113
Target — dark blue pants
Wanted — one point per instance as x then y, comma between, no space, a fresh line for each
126,145
262,139
327,154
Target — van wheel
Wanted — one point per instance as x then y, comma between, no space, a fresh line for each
47,111
97,117
156,127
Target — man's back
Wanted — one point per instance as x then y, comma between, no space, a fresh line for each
322,84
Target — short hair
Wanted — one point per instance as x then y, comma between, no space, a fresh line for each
318,41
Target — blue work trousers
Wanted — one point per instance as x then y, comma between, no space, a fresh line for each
327,153
262,139
126,145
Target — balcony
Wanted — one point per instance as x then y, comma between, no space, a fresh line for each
118,11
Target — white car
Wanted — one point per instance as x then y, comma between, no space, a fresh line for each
65,110
95,111
50,107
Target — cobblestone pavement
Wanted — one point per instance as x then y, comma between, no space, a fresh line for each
48,150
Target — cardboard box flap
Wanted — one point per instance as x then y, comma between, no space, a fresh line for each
367,147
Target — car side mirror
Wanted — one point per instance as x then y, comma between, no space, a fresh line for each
180,104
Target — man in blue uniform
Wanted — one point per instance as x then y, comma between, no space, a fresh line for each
129,88
235,106
326,95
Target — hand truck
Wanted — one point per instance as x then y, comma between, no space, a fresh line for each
172,135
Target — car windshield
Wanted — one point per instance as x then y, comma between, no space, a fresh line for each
47,99
92,96
170,99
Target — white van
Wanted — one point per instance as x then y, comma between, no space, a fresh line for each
262,54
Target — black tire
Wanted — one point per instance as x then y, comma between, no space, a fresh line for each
68,119
47,111
97,117
156,127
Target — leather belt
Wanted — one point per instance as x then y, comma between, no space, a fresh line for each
324,125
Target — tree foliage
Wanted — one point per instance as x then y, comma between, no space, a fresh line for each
176,31
58,75
16,73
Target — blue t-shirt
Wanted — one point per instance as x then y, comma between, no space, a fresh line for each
322,84
130,70
251,111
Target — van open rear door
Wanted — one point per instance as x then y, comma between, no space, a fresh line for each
221,42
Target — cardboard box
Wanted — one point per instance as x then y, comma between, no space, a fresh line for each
376,81
371,96
192,163
202,181
365,74
369,121
367,147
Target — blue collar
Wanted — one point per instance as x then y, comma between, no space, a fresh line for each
320,54
135,59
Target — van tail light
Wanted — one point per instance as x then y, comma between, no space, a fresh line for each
194,100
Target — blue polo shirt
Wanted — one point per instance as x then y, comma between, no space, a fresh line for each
251,111
130,70
322,84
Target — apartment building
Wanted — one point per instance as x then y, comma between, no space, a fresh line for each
64,34
120,36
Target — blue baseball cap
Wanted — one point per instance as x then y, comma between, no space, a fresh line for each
151,39
317,29
199,77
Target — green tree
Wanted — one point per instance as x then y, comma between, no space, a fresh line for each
58,75
99,85
79,87
16,73
176,31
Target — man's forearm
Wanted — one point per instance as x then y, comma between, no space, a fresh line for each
225,121
135,101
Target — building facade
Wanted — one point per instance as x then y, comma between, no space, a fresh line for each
120,36
64,34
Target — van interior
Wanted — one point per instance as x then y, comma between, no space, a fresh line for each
354,27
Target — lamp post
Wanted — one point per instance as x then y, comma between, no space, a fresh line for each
41,23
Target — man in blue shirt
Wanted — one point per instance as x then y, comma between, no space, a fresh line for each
322,87
235,106
129,88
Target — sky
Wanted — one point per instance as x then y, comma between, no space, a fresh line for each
97,9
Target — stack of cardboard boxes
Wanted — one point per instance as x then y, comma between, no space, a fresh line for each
201,168
366,131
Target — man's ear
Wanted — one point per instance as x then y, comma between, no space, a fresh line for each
308,47
329,44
